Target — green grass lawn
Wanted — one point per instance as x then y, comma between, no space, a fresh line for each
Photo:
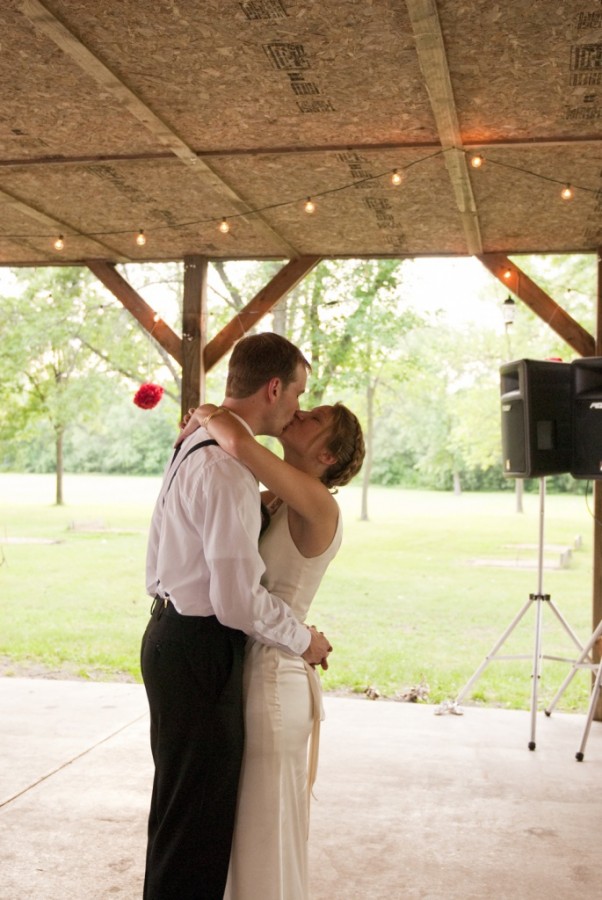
406,603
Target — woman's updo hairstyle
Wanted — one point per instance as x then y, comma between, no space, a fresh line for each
347,444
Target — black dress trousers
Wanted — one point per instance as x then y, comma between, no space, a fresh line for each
192,671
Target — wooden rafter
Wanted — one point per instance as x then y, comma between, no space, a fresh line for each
138,307
433,63
57,227
283,282
290,150
53,28
517,281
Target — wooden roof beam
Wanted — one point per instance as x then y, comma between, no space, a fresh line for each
308,149
433,63
283,281
57,227
138,307
46,22
541,303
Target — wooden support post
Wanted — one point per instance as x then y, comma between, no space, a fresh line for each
194,331
597,579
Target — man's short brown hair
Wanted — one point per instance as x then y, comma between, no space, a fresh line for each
257,359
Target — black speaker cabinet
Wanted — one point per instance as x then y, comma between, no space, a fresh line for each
586,399
536,417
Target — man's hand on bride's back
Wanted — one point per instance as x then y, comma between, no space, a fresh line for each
318,650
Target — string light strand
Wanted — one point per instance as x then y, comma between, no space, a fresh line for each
257,210
523,171
396,176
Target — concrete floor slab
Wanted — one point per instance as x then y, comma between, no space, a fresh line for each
408,804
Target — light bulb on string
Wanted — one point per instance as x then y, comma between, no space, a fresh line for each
310,206
59,243
396,177
141,238
224,227
567,193
476,161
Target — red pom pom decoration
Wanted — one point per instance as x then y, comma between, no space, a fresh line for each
148,395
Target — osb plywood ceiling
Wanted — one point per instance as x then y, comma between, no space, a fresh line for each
170,116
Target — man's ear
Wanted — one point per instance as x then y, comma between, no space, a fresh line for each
273,389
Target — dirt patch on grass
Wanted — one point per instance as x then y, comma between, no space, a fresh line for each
10,668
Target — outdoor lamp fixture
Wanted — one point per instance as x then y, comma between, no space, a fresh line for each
509,310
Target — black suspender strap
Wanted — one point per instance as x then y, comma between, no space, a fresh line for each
185,457
265,513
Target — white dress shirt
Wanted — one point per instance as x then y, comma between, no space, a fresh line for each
202,549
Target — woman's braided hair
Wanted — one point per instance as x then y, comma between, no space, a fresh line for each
347,444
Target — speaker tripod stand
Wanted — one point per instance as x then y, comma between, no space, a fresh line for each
539,600
583,662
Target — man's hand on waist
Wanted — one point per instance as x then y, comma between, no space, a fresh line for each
318,650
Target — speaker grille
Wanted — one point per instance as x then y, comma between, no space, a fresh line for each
536,417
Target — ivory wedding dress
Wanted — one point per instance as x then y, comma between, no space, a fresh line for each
282,718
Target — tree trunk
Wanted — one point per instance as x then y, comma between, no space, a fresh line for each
367,467
518,493
59,466
316,387
279,317
457,484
